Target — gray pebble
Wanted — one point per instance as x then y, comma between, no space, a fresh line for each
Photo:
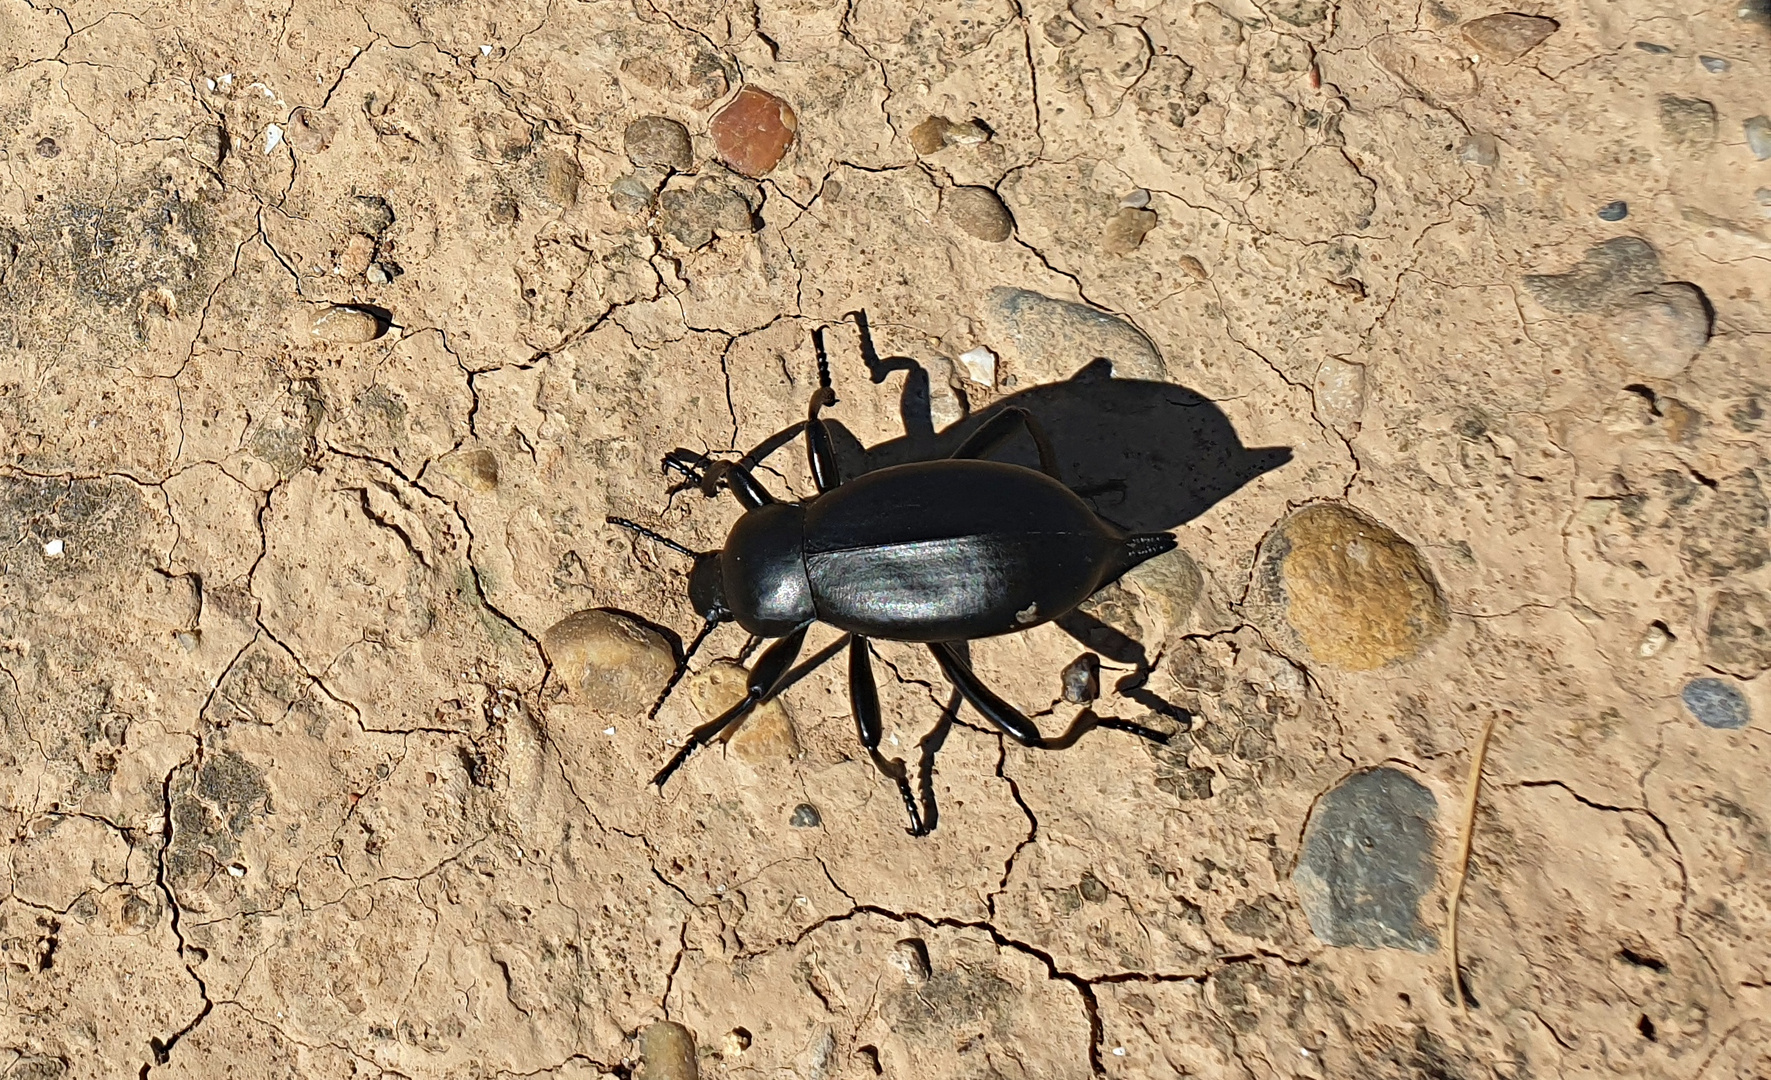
1690,122
377,274
1479,149
1716,703
1607,273
658,140
1082,679
1137,200
632,194
1091,888
48,148
370,214
1368,861
1758,136
1171,584
805,816
979,212
1725,531
1653,49
1715,65
693,214
1047,339
207,145
1614,211
1657,331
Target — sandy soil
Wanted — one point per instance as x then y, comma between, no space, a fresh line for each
331,334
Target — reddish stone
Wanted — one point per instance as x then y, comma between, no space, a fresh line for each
752,133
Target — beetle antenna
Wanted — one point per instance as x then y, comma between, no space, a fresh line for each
682,668
658,538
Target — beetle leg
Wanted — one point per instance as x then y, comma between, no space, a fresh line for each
928,748
709,475
767,679
996,430
820,449
982,698
864,702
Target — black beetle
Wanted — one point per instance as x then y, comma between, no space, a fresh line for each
936,552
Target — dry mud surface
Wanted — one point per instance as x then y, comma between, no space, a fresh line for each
330,333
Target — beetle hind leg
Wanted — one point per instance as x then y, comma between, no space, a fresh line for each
864,702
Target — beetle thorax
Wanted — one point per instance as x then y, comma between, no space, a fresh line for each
763,568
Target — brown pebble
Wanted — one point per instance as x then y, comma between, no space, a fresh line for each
766,735
608,660
560,181
359,252
667,1052
658,140
1357,595
345,325
1126,230
930,135
979,211
1192,267
753,132
1507,36
476,470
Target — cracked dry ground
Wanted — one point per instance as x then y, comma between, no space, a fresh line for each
287,786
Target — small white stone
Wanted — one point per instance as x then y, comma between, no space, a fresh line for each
1137,200
211,83
608,731
52,549
273,134
485,50
1119,1051
980,365
236,870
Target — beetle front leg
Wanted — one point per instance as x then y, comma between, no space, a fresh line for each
709,475
864,702
766,680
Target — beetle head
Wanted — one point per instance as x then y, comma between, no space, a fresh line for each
707,589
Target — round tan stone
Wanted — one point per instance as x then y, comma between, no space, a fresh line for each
1357,595
609,661
345,325
667,1052
766,735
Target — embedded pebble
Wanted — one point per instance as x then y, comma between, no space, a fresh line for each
1340,394
693,214
359,252
1607,273
1479,149
346,325
979,212
611,662
947,406
1367,862
1652,49
1614,211
1654,639
805,816
1127,229
1192,267
1171,584
1507,36
560,180
1758,136
1716,703
667,1052
1726,532
753,132
1046,339
1715,65
1657,331
1137,200
979,365
937,133
766,735
378,274
476,470
1081,679
1739,633
658,140
1357,595
1091,888
632,194
1690,122
207,145
48,148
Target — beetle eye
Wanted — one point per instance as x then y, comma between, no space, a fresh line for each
707,588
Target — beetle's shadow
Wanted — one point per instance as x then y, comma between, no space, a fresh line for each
1149,456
